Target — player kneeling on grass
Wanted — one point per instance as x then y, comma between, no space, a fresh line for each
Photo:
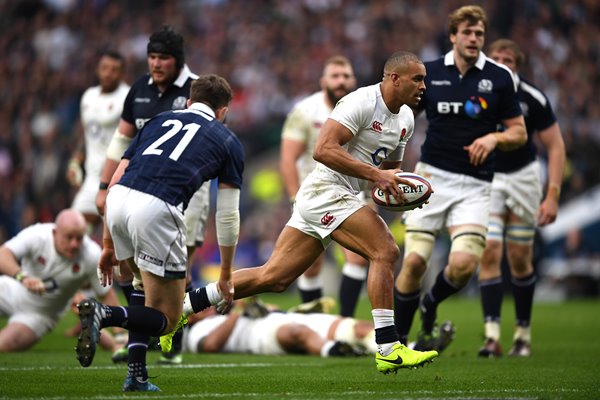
43,267
165,164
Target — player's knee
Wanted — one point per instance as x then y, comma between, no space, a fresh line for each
387,253
461,267
383,250
413,267
519,261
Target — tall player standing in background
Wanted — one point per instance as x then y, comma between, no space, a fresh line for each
467,96
165,87
298,138
100,109
516,210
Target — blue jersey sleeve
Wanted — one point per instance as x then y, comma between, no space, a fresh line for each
233,166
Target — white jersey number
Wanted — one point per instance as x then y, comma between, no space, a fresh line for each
177,126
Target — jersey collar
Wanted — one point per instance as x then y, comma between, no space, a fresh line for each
184,74
203,108
449,59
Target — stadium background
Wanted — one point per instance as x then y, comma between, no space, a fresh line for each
272,53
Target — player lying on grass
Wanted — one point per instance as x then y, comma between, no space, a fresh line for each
252,328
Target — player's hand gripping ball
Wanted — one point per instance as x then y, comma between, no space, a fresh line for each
415,197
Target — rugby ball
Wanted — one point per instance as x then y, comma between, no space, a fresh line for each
415,196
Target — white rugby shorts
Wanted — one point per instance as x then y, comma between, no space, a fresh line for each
15,305
518,191
318,212
458,199
196,215
85,199
148,229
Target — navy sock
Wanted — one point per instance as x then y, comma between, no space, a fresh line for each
310,295
386,334
137,343
136,360
127,289
491,298
141,319
441,290
405,306
199,299
349,292
523,289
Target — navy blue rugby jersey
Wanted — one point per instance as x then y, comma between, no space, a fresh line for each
462,109
177,151
539,115
144,100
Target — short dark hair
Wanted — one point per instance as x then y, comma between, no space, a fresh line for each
507,44
211,90
399,60
167,41
115,55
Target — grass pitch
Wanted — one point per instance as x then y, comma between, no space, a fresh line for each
565,365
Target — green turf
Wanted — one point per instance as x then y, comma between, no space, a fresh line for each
565,365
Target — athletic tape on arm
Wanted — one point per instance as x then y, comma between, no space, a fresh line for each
118,144
228,216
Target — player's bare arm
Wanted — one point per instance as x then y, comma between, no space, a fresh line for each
75,169
290,152
329,151
513,137
125,130
10,267
552,140
107,258
228,226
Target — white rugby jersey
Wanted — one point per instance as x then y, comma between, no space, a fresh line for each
303,124
379,135
34,249
100,114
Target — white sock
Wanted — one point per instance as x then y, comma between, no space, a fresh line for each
355,271
523,333
213,293
326,347
381,319
492,330
306,283
187,305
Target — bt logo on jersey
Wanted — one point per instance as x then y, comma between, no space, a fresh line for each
447,107
473,107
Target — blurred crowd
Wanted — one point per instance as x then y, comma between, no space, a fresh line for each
272,52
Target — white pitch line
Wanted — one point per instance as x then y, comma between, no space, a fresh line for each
182,366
